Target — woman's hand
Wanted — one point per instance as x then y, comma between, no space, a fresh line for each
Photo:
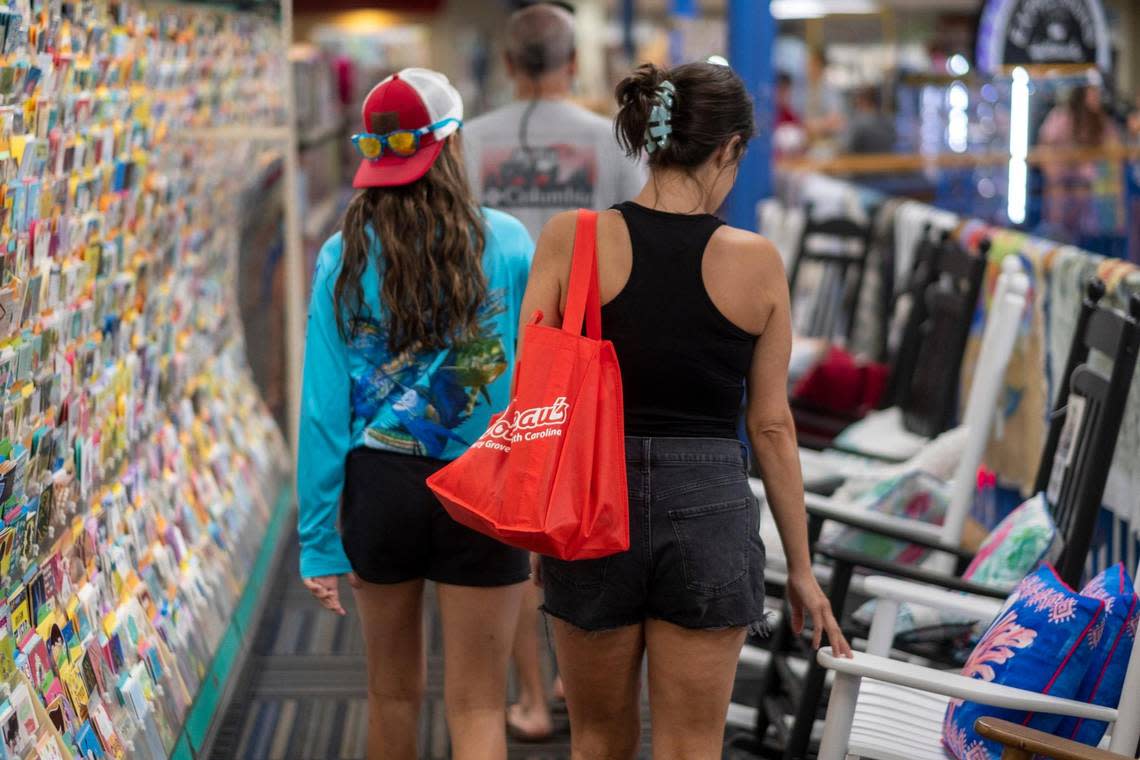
805,595
326,588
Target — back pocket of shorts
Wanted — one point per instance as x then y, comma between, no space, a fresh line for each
583,574
713,542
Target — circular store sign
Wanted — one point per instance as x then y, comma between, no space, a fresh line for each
1036,32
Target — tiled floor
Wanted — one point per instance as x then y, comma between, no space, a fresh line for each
304,696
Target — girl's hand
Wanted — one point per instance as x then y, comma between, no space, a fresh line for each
326,588
805,595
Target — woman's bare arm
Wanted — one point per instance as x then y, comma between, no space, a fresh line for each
772,432
550,270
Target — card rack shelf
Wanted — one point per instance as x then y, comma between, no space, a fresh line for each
140,471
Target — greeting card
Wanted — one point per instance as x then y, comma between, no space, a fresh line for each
21,700
49,749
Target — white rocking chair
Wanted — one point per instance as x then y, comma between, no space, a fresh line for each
1001,328
890,710
998,338
824,470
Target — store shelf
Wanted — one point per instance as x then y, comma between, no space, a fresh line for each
218,687
131,527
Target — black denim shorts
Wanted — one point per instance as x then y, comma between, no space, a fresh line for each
695,558
394,529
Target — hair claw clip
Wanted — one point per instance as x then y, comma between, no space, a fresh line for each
661,118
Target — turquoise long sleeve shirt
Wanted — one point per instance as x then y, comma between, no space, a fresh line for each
434,404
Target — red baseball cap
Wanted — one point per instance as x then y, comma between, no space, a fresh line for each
410,99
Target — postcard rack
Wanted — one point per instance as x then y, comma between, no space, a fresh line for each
139,469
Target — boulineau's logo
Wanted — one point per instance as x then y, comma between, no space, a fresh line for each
1033,32
526,425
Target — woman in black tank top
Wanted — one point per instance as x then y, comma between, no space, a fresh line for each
683,363
698,314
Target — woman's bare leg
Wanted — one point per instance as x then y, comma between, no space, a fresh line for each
601,673
690,686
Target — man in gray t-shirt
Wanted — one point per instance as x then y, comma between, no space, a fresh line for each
543,154
869,130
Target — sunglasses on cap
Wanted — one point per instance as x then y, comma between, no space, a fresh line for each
402,142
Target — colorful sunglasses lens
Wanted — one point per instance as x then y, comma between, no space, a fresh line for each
403,143
369,147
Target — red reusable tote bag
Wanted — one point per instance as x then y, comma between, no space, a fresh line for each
549,474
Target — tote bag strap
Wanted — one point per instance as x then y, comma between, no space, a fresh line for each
582,300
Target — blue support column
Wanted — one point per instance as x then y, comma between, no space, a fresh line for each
628,12
681,14
751,39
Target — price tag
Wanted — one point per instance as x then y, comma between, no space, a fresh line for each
1066,445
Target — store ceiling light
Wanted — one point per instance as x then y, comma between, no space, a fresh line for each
719,60
787,10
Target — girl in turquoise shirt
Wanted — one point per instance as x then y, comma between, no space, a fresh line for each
411,340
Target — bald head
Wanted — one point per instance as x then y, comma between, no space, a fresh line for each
540,40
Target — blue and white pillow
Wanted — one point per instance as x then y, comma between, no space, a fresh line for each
1115,634
1041,641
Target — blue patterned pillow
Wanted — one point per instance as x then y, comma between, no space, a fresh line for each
1041,641
1115,633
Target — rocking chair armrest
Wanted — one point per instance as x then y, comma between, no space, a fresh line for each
982,607
917,574
821,507
924,534
959,687
776,572
820,417
1034,743
953,602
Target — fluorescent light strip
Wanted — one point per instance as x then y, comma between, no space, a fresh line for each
1018,146
785,10
958,119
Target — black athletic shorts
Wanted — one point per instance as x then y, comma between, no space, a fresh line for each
695,557
395,530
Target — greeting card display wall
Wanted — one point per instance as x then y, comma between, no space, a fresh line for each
138,465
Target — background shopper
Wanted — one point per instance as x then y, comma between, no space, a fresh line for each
543,154
411,336
870,129
791,134
697,311
534,158
1083,196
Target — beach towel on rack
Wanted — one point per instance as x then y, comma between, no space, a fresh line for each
1070,269
1015,448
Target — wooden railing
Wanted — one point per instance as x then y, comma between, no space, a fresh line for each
898,163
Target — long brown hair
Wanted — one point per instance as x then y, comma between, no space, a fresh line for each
1089,125
432,238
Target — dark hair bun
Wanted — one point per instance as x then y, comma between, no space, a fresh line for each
636,95
712,106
